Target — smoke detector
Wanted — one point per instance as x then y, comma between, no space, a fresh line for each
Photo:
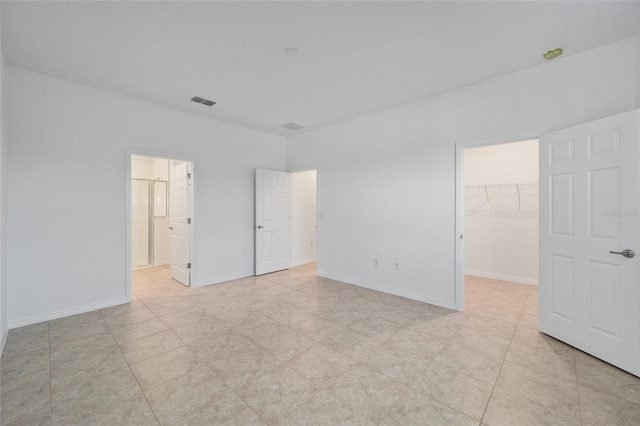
553,53
292,51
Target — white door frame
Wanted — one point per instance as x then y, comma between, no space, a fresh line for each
299,170
459,203
127,260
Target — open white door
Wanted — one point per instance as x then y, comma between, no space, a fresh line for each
589,209
272,221
179,222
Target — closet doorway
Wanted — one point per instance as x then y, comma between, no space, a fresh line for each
498,210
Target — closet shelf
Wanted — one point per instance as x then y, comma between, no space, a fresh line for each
517,190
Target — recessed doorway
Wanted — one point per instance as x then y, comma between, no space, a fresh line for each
160,219
497,238
304,218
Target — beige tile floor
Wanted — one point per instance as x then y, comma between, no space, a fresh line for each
291,348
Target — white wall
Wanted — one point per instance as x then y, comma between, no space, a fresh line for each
387,183
303,217
141,167
160,169
4,325
501,234
67,174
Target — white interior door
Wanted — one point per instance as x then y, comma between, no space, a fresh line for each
178,218
589,208
272,221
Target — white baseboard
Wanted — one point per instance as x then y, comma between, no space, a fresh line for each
302,262
21,322
390,290
161,263
501,277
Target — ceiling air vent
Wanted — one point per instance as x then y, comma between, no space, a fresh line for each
293,126
203,101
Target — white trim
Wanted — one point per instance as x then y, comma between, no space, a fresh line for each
458,255
317,219
191,213
501,277
303,169
459,202
303,262
389,290
129,152
66,312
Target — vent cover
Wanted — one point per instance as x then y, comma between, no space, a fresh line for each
293,126
203,101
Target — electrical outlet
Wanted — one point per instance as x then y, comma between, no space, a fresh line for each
375,261
244,254
311,244
396,266
321,215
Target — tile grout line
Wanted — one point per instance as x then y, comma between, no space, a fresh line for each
425,369
381,372
212,372
232,389
504,360
131,371
501,366
321,388
318,342
537,371
417,376
282,364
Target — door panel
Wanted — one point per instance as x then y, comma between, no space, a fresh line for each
178,211
562,204
604,193
604,297
272,221
589,205
562,283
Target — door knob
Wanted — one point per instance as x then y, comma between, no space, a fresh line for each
626,253
260,226
171,227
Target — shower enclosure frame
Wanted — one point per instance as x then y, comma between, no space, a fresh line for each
150,217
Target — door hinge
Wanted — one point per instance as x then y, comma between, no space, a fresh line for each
188,265
188,221
188,175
